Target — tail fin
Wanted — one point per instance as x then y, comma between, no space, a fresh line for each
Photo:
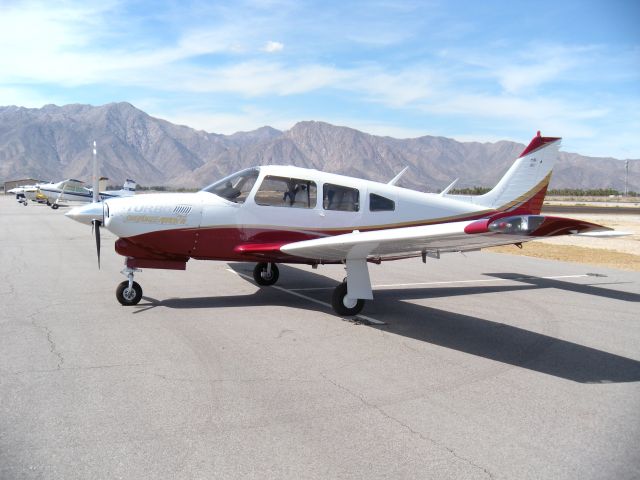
129,185
524,186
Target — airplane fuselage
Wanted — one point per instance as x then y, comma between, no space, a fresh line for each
205,225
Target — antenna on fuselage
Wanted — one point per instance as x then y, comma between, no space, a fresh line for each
395,179
449,187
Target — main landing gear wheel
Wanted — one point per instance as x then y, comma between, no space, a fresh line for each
55,206
265,276
129,296
343,305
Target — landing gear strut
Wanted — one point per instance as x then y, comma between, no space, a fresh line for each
266,274
129,292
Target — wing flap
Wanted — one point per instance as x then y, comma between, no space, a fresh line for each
394,242
441,238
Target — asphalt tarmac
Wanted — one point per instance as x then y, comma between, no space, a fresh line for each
476,366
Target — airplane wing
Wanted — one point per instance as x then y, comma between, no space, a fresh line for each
431,240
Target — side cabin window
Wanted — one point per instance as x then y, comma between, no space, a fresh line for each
337,197
286,192
236,187
74,187
378,203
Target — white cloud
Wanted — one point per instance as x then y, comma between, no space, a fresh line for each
258,78
272,47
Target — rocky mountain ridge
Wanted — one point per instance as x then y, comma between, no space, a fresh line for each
53,142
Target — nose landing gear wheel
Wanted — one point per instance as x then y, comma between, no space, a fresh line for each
129,296
55,206
263,276
343,305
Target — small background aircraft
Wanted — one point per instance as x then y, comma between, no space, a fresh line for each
283,214
28,192
76,191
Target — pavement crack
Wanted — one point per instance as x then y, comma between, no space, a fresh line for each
407,427
49,336
77,368
52,346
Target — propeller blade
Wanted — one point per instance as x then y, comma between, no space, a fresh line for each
97,224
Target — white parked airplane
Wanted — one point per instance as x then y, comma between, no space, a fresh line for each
19,192
282,214
76,191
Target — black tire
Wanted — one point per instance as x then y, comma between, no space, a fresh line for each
48,203
129,297
55,206
260,274
338,302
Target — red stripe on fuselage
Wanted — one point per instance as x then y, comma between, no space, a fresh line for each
225,243
534,204
257,243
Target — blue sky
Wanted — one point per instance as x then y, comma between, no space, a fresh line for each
481,71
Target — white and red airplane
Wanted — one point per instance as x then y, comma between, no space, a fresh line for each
284,214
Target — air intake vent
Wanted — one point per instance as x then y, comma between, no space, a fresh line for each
182,210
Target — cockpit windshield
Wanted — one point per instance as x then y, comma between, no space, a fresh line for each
236,187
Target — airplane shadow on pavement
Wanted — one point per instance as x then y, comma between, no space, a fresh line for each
473,335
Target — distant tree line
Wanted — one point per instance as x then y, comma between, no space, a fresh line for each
470,191
597,192
560,192
155,188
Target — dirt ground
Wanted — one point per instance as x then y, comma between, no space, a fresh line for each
621,252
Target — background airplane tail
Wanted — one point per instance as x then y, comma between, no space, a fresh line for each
523,188
129,185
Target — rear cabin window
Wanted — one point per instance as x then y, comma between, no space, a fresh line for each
286,192
378,203
337,197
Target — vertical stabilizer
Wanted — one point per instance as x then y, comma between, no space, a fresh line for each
525,184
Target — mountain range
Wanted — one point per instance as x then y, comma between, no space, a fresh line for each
53,142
